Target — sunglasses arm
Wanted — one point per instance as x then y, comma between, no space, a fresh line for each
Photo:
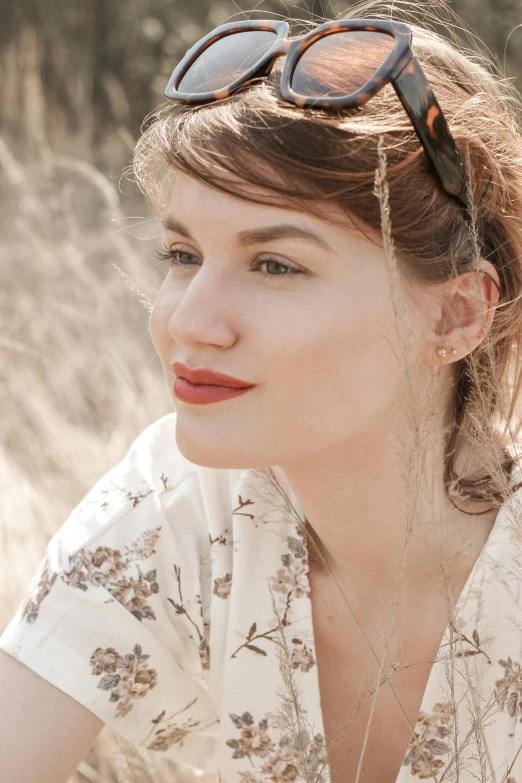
423,109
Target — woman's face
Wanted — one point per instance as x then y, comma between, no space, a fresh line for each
317,336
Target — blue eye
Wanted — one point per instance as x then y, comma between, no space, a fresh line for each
173,257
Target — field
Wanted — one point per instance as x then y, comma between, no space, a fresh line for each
80,376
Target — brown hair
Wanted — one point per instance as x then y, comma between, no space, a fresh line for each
305,158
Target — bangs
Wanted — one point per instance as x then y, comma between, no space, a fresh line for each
256,146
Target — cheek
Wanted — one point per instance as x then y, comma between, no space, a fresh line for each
334,358
316,349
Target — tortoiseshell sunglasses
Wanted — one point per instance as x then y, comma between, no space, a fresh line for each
340,64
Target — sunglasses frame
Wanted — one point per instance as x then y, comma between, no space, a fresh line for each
401,68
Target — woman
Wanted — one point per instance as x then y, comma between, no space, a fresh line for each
310,570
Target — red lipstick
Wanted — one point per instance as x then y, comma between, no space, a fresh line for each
204,385
208,377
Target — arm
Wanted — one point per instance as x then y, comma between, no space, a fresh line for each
44,732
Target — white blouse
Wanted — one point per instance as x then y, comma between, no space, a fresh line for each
153,607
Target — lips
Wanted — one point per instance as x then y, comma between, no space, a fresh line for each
209,377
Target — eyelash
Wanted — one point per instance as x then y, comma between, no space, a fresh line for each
169,254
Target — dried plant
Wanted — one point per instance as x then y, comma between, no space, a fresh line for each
298,730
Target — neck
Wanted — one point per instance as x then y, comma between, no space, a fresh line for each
375,511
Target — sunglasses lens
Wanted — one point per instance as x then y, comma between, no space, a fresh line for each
341,63
225,60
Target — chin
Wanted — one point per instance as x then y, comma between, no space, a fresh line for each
208,455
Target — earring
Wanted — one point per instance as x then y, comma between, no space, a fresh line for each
442,352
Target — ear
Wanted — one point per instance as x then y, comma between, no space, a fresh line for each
466,313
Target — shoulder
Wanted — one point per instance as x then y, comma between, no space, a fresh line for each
152,488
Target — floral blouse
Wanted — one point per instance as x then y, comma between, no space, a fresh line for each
165,600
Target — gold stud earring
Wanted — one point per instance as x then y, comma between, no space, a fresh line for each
442,352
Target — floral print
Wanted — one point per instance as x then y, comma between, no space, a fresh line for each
114,493
279,761
171,731
287,584
222,586
173,735
301,656
105,567
31,603
180,607
127,677
254,740
160,604
292,578
431,729
508,689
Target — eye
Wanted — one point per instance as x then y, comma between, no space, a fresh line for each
175,258
271,263
172,256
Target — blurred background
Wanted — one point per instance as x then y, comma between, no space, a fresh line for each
78,78
79,377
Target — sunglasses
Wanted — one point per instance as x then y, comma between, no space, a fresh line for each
338,65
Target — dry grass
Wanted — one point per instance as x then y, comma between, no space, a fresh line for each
81,378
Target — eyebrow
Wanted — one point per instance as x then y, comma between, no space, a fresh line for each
258,235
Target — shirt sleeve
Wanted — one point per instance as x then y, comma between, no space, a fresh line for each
114,614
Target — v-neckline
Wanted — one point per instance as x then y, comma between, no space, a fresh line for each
313,683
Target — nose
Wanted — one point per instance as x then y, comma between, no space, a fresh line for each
203,312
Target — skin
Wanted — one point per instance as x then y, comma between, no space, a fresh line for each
333,403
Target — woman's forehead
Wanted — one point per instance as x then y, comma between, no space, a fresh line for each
192,201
